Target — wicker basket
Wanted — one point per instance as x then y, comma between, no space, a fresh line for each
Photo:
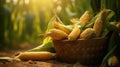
90,51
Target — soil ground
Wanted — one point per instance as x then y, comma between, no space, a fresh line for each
50,63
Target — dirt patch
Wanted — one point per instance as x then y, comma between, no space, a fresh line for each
49,63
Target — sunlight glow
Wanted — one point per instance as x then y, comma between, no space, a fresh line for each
26,1
8,1
15,2
55,0
59,8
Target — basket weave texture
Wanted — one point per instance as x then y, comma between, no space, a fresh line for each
90,51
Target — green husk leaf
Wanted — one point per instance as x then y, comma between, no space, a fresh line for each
112,47
105,33
103,4
106,23
47,44
49,26
105,59
92,21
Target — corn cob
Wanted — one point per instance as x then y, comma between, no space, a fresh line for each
98,26
87,33
102,13
85,18
114,26
56,34
104,33
74,34
35,55
70,27
62,27
74,20
118,25
113,61
91,23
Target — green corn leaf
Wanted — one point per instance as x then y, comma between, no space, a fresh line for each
47,44
92,21
49,26
103,4
105,33
108,17
112,47
105,59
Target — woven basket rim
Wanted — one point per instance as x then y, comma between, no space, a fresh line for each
97,38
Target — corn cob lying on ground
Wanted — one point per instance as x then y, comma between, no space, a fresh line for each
35,55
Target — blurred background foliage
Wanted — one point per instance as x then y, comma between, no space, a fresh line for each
23,20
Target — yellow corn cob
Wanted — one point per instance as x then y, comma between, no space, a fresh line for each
61,27
74,20
98,26
113,61
44,55
118,25
102,14
56,34
87,33
74,34
85,18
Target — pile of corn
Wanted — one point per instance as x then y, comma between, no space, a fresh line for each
85,27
